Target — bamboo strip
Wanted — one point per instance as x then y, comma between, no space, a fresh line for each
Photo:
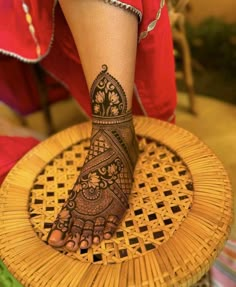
186,228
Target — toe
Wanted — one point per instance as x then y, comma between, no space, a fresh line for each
72,243
57,238
87,235
111,226
59,232
98,230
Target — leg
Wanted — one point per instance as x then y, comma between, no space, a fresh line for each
106,38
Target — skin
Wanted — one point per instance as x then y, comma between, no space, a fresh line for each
106,39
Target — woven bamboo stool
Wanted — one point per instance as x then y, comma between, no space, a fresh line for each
179,217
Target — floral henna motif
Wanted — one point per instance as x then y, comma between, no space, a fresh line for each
99,197
108,97
92,185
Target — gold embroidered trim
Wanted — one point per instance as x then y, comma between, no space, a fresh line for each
126,6
29,20
39,58
152,25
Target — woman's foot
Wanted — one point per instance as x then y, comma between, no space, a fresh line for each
99,197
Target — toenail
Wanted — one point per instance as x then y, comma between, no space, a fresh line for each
107,235
84,244
70,245
55,236
96,240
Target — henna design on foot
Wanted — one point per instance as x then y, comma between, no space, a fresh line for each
99,197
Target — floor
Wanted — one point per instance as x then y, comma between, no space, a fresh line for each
215,124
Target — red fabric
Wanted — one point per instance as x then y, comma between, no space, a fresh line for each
15,37
11,150
18,83
154,79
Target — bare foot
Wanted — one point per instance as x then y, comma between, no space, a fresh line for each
99,197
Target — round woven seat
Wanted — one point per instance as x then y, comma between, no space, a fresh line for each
178,220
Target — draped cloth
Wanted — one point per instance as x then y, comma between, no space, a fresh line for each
37,32
11,150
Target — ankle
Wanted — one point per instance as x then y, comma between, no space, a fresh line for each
113,121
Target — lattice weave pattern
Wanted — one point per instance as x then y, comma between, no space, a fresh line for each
161,197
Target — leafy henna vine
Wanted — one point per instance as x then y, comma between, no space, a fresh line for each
99,197
94,183
108,97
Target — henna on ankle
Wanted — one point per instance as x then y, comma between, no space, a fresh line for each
107,96
99,197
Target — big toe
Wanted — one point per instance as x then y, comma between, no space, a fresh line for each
56,238
58,234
